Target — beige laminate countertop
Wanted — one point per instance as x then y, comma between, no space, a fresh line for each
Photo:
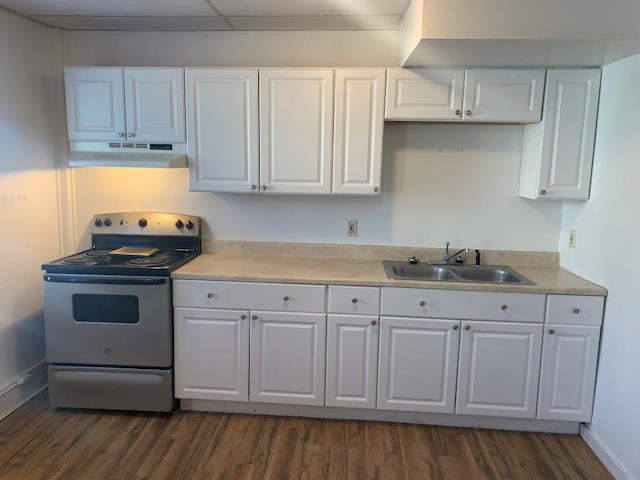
341,271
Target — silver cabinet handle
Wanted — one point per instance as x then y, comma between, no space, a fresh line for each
551,331
264,187
458,113
286,298
422,303
354,300
131,134
543,192
503,307
376,189
209,295
456,327
374,323
243,317
467,327
576,310
254,317
254,187
121,134
468,113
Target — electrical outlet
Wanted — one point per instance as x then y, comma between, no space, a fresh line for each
572,239
352,228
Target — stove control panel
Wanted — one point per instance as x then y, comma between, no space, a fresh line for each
146,223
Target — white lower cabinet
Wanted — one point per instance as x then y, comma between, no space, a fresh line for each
568,372
212,354
352,360
499,369
273,355
418,364
287,357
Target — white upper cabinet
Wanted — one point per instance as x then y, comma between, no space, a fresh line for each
473,95
359,122
120,104
95,103
222,129
558,153
296,125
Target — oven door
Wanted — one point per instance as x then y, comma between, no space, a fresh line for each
108,320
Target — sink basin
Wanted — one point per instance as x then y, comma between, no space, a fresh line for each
454,273
419,271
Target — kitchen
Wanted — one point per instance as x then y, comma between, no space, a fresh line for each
439,182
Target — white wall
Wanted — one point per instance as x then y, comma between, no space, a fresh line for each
439,182
29,134
607,241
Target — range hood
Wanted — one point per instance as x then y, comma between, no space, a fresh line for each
93,154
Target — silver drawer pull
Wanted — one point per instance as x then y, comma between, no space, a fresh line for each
354,300
422,303
243,317
209,295
576,310
255,317
467,327
286,298
503,307
373,322
456,327
551,331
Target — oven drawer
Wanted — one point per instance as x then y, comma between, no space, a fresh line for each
249,296
72,386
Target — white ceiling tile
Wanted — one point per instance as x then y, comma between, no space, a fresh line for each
309,7
117,8
316,22
168,24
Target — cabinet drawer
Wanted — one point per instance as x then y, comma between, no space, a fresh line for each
357,300
574,309
508,307
247,295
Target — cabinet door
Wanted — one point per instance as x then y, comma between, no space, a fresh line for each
287,357
499,369
503,95
211,354
296,130
352,361
154,100
568,372
359,120
95,103
428,94
417,366
558,153
222,129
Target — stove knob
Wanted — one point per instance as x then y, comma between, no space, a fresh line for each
142,222
189,225
107,222
179,224
98,222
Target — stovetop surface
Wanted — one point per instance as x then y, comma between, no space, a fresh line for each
98,261
176,237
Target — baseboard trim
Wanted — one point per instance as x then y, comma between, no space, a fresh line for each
448,420
24,387
605,455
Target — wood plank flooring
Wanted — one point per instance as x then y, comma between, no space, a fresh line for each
39,442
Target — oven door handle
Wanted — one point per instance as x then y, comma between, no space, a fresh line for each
105,280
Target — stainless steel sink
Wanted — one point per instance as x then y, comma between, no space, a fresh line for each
454,273
419,271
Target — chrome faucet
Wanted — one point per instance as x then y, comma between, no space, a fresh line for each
447,257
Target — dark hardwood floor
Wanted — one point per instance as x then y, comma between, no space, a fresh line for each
39,442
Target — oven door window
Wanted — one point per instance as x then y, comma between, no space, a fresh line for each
92,308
